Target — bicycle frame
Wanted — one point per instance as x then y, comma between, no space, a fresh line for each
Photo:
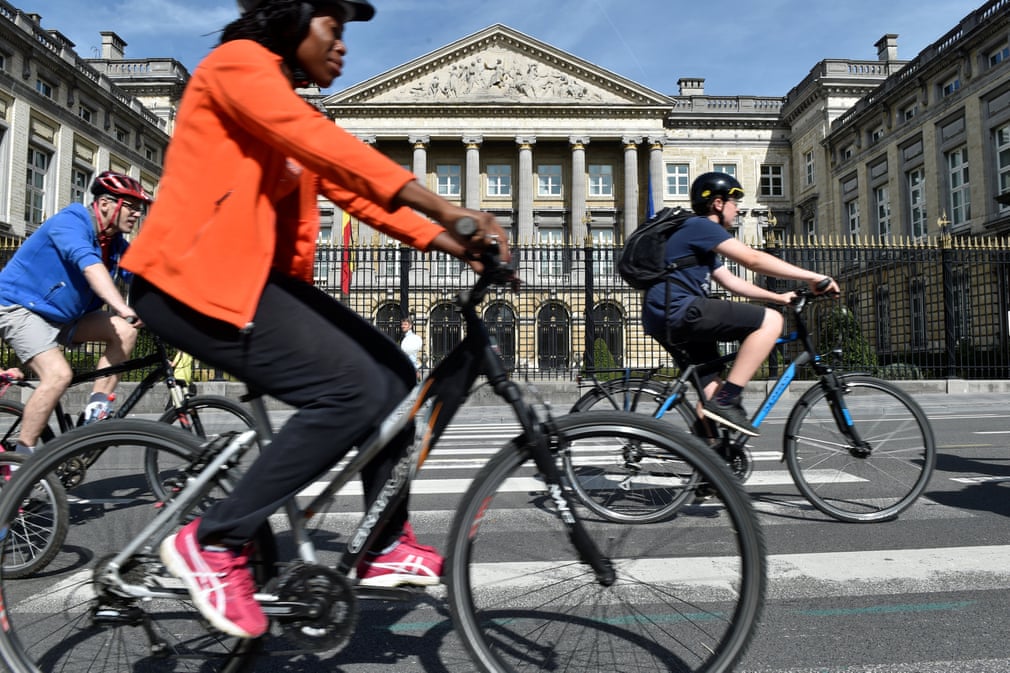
826,374
162,371
433,402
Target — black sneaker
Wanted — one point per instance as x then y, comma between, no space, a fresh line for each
731,415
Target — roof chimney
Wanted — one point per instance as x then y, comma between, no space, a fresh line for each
113,46
691,86
887,48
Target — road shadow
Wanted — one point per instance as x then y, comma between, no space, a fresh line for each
986,487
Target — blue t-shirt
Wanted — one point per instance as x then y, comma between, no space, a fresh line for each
46,274
698,236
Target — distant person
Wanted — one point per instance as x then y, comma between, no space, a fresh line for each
411,344
52,290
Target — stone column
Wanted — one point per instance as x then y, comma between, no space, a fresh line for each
420,144
524,218
630,183
472,171
656,176
578,226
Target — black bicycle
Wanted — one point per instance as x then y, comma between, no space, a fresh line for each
205,415
535,581
859,448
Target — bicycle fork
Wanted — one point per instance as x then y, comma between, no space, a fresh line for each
843,419
544,456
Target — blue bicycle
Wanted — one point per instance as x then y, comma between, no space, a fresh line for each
859,448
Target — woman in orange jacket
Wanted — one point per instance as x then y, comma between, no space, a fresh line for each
238,198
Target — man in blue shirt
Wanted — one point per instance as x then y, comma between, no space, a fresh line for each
52,290
682,312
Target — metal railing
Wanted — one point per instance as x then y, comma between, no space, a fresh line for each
929,309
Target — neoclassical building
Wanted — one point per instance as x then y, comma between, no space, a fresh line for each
563,150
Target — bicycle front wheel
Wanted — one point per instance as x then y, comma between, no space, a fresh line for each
205,416
872,481
72,617
688,591
36,532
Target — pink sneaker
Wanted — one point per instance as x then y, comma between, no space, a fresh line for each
409,562
220,583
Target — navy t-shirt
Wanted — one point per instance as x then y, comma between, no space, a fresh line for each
698,236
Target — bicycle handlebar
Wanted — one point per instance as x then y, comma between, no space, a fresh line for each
496,272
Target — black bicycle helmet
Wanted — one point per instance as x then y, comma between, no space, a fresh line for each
707,186
354,10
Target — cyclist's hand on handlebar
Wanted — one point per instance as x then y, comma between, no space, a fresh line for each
130,316
471,233
786,298
824,285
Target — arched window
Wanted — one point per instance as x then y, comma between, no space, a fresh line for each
501,324
553,336
387,320
608,325
445,331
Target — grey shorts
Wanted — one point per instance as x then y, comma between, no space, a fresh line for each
29,334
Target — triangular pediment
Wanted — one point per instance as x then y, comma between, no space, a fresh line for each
499,66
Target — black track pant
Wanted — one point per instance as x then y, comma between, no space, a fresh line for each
313,353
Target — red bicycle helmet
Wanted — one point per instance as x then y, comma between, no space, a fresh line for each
120,186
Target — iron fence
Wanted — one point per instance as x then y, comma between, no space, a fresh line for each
928,309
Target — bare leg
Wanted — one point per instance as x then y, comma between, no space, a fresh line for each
119,338
54,376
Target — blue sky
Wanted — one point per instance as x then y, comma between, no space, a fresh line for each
751,48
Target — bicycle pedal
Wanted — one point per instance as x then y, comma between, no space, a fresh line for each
401,593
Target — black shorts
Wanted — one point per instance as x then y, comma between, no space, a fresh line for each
708,322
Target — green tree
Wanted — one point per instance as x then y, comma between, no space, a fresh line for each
839,328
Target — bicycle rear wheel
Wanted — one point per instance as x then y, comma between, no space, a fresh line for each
688,592
867,483
70,618
36,532
628,482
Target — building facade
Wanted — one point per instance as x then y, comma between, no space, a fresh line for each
62,121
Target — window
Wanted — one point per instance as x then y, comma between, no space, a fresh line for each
601,180
389,261
122,134
499,180
876,134
678,180
852,216
916,202
808,168
999,55
810,227
551,250
80,182
950,87
86,113
771,180
960,190
448,179
960,295
549,180
35,185
1001,138
908,112
45,87
603,251
151,153
882,201
883,313
728,169
846,152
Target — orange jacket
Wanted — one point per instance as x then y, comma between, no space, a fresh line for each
238,194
